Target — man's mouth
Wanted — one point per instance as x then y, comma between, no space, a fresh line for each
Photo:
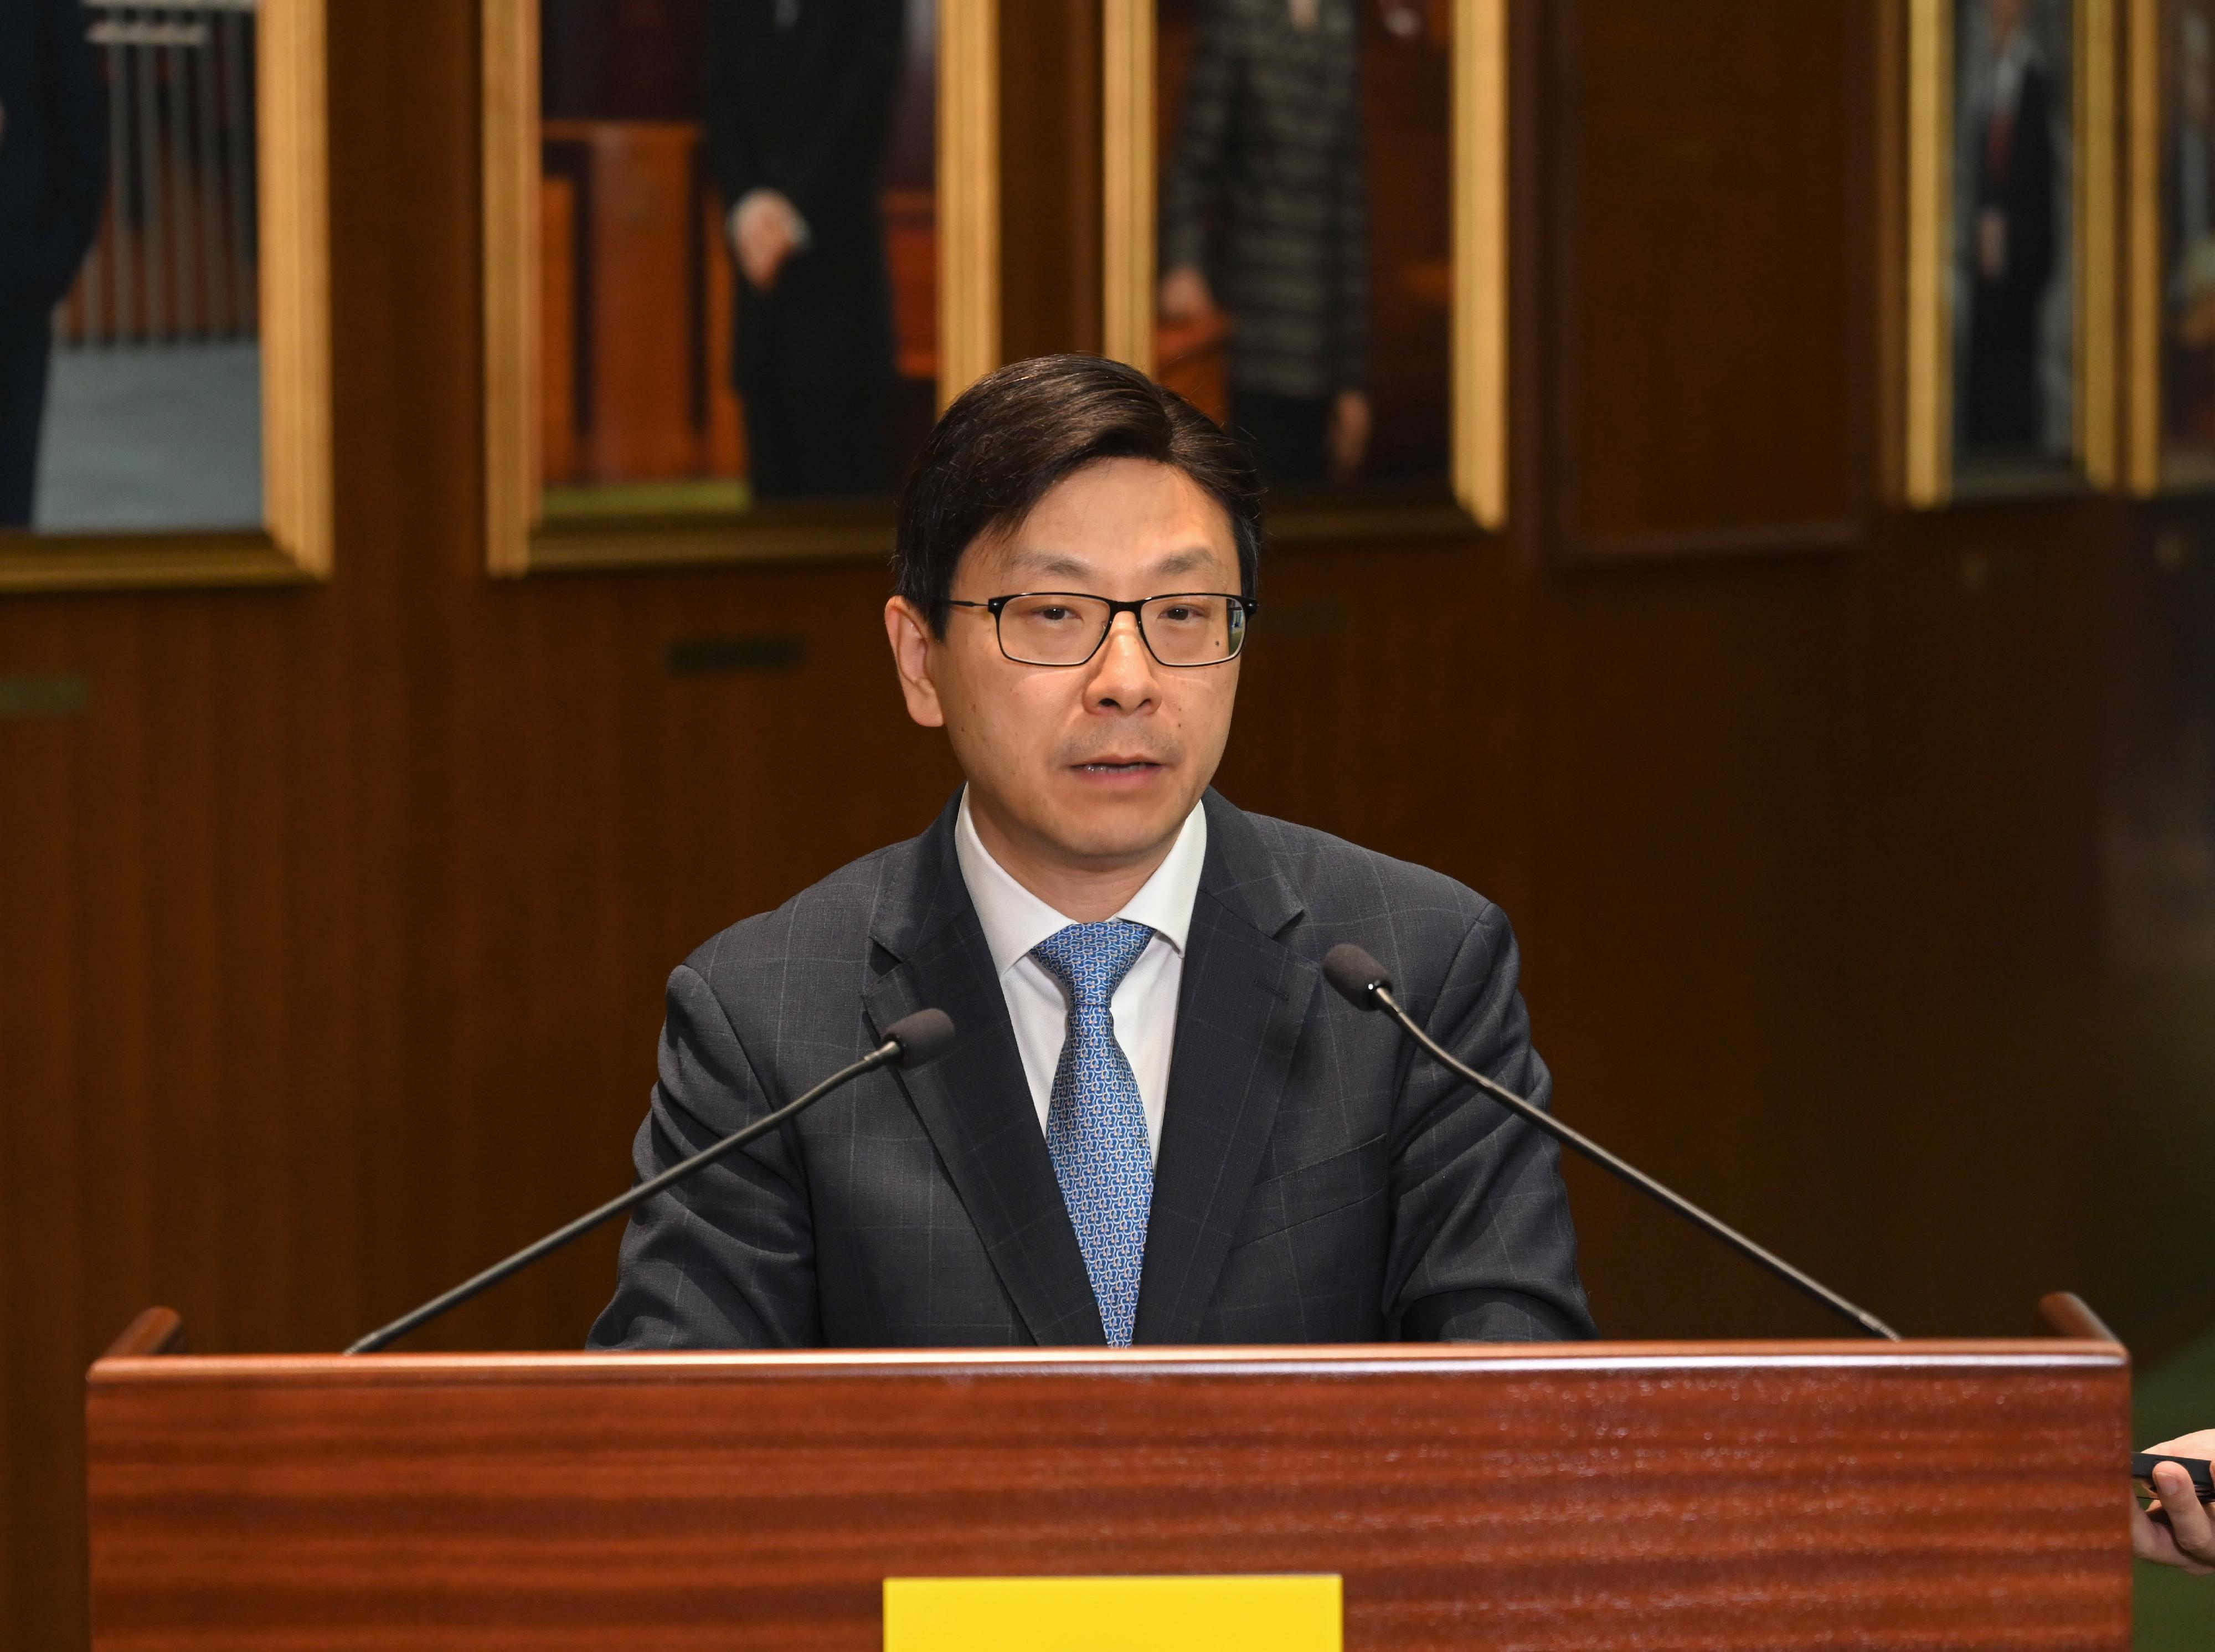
1115,765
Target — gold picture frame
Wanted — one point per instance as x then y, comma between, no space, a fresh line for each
518,541
293,545
1478,438
2154,463
1927,474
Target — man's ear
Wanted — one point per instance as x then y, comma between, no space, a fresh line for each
910,635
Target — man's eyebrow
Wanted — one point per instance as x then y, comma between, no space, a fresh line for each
1188,560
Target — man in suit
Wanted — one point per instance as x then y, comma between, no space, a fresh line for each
2011,251
1157,1123
800,98
54,170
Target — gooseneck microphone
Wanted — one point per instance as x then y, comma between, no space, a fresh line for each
1363,982
909,1042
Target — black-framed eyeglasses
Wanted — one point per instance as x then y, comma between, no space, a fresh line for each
1066,628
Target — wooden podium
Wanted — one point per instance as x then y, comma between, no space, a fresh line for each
1758,1496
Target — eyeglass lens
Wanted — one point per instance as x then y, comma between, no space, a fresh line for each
1057,629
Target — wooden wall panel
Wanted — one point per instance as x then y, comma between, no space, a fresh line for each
1709,351
332,932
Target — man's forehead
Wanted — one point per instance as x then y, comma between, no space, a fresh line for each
1041,556
1062,545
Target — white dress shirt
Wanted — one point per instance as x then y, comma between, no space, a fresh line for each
1145,1006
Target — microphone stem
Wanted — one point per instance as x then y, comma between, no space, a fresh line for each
884,1053
1638,1178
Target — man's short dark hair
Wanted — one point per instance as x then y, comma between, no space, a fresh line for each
1017,431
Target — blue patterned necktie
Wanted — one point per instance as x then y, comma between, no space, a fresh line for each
1096,1125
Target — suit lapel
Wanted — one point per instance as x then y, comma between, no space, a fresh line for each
974,1100
1244,998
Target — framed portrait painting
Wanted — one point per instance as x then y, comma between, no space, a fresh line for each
738,253
164,295
2171,238
2012,248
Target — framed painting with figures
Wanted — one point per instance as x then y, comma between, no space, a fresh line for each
164,294
2170,234
2012,248
738,254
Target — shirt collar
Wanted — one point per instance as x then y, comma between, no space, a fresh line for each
1014,920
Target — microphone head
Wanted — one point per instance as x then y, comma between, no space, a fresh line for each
1354,975
923,1036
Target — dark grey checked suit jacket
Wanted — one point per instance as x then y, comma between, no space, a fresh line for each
1315,1184
1267,189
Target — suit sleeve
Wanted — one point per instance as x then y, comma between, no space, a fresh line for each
2030,189
1194,178
77,148
733,155
834,161
726,1258
1483,1249
1350,242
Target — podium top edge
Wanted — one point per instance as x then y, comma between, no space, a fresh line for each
1341,1360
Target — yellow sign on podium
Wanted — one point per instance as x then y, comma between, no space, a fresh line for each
1303,1613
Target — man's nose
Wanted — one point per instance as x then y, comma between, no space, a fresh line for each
1123,672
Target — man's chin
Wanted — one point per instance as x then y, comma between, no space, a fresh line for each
1119,817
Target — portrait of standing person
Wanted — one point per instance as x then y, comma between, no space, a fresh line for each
799,105
53,167
2012,233
2188,234
1265,210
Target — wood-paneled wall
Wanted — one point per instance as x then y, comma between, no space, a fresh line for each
1858,887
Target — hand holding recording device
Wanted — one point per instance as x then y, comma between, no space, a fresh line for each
2202,1472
